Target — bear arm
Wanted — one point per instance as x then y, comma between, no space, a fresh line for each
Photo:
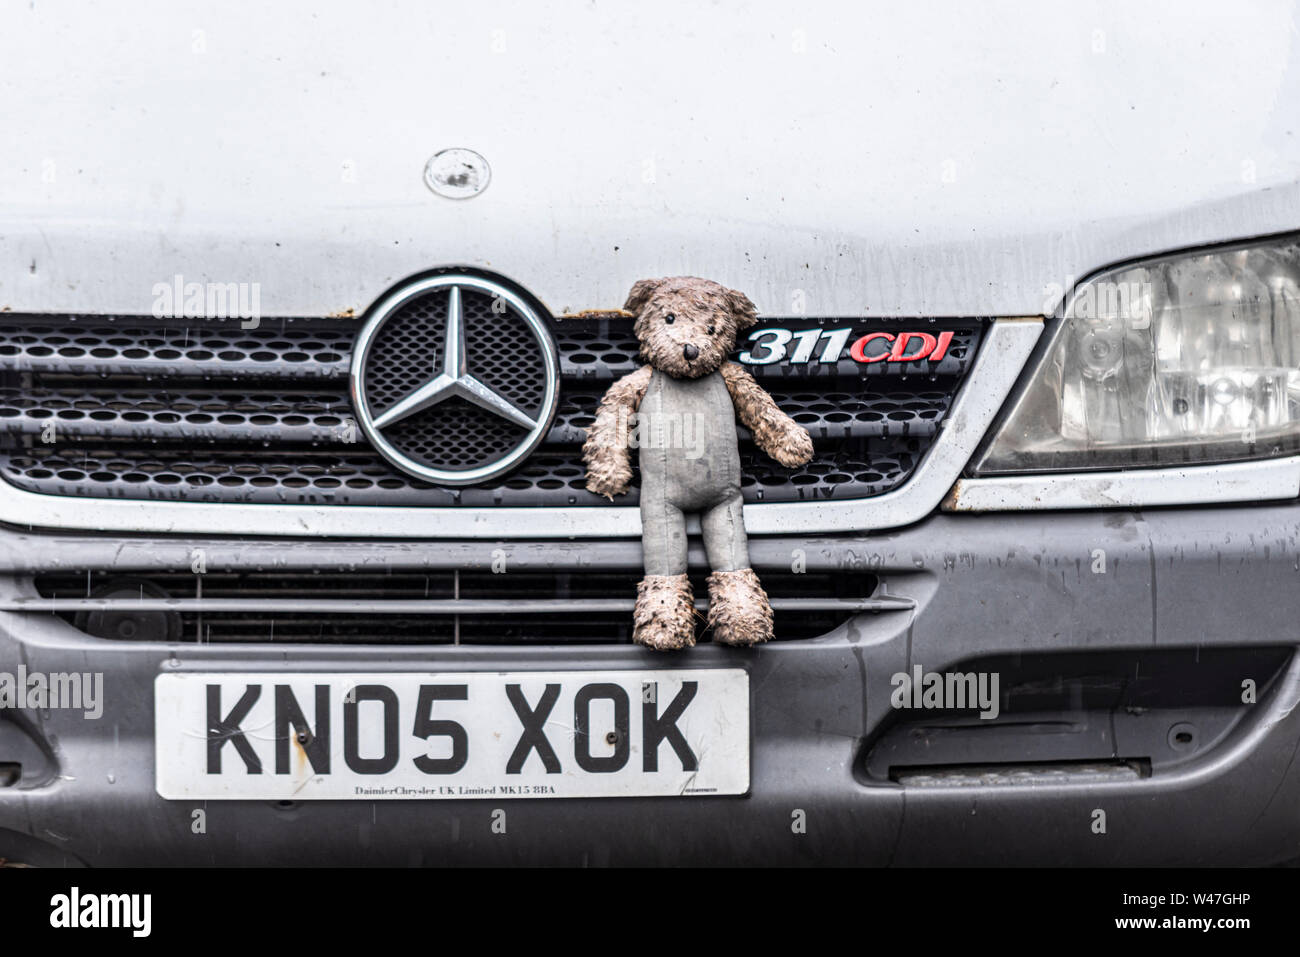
605,453
775,433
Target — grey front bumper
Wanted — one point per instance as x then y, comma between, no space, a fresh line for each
983,584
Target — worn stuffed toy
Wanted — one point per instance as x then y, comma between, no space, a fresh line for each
680,410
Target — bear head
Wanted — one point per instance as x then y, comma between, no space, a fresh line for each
687,326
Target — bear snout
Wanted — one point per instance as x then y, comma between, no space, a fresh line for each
690,352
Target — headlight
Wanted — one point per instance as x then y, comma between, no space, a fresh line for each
1176,360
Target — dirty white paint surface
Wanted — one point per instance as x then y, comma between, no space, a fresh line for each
890,159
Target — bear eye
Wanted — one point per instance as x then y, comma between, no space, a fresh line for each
710,332
670,318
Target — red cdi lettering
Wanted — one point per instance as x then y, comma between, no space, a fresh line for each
859,350
931,347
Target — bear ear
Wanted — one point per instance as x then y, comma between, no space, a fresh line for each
738,304
641,292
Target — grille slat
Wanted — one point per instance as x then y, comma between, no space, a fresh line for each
202,410
236,418
363,477
835,598
104,346
215,418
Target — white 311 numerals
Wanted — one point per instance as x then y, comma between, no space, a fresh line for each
773,345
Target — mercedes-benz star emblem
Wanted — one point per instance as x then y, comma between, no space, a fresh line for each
455,379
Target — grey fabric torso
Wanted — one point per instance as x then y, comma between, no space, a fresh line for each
690,462
686,429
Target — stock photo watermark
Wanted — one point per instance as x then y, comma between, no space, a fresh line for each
946,691
76,909
59,690
686,432
179,299
1128,302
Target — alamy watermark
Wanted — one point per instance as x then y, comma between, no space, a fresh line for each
686,431
1128,302
179,299
128,911
946,691
59,690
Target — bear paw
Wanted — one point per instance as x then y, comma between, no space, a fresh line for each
664,617
739,613
609,478
793,447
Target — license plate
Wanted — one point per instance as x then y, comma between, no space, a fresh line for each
454,736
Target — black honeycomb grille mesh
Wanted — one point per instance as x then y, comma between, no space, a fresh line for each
199,348
204,410
406,352
504,355
456,436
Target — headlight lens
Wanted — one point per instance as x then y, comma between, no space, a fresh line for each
1182,359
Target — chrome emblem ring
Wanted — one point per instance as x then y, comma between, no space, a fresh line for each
455,379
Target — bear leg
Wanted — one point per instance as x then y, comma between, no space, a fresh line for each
739,613
664,617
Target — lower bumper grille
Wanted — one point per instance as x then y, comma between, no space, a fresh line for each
445,607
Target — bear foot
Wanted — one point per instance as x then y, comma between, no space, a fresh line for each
664,617
739,613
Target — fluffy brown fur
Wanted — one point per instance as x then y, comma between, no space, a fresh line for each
609,466
739,613
684,311
664,617
774,432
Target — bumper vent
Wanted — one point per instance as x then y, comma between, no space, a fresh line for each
202,410
442,607
1073,718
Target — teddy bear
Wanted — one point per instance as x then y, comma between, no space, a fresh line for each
679,411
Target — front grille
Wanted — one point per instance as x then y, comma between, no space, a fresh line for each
257,619
205,411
